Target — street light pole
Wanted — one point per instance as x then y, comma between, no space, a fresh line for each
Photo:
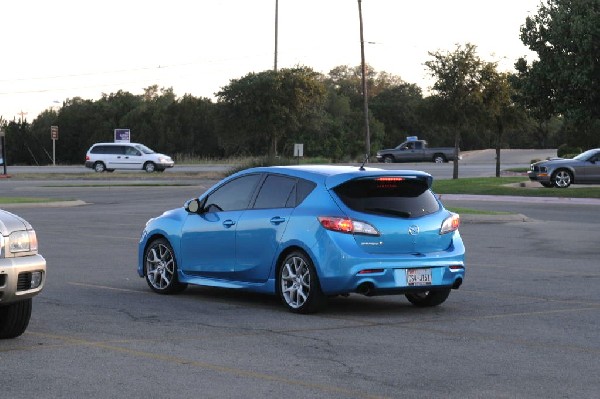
364,84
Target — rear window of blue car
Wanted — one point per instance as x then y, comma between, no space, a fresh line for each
389,196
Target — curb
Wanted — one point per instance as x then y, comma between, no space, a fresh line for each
52,204
513,217
509,198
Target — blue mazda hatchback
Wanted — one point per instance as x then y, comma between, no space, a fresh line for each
306,233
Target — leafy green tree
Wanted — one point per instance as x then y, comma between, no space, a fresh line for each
565,78
458,85
386,93
397,108
499,107
192,123
534,93
268,107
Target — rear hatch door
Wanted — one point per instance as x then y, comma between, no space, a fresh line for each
403,210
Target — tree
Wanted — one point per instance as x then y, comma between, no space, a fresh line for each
266,107
534,93
565,34
458,85
397,108
497,98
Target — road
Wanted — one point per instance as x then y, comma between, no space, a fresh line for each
474,164
523,325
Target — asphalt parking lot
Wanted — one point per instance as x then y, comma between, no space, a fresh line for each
523,325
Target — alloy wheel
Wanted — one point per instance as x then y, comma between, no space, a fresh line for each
295,282
160,266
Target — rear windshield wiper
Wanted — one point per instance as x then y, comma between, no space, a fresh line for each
394,212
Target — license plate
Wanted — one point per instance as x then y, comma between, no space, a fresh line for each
416,277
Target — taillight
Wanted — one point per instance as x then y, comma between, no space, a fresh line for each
346,225
87,157
389,179
450,224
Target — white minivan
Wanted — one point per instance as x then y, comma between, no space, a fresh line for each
110,156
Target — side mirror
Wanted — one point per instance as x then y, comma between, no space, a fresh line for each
194,205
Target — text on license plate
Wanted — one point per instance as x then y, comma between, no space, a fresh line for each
418,277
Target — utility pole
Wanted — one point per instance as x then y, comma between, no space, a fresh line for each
22,114
276,32
364,84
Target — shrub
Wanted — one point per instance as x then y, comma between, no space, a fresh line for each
258,162
566,151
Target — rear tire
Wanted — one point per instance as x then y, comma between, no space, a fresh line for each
439,158
99,167
298,284
14,318
428,298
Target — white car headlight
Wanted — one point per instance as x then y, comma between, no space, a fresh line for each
22,241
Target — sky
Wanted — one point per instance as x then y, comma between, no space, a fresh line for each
55,50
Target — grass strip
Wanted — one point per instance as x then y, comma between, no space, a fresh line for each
502,186
24,200
470,211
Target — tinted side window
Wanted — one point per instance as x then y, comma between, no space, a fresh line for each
303,188
233,195
108,149
385,196
275,192
99,149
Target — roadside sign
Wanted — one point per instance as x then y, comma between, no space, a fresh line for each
122,135
54,132
298,150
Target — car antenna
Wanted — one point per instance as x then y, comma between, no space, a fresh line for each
362,167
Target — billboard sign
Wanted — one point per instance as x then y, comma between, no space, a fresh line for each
122,135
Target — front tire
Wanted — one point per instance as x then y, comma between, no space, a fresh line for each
388,159
298,284
428,298
149,167
160,268
14,318
562,178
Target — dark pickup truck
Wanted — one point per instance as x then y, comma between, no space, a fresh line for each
414,150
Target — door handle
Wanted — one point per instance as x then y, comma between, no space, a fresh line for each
277,220
228,223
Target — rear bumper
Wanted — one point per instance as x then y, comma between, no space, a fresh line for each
15,277
392,280
342,269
